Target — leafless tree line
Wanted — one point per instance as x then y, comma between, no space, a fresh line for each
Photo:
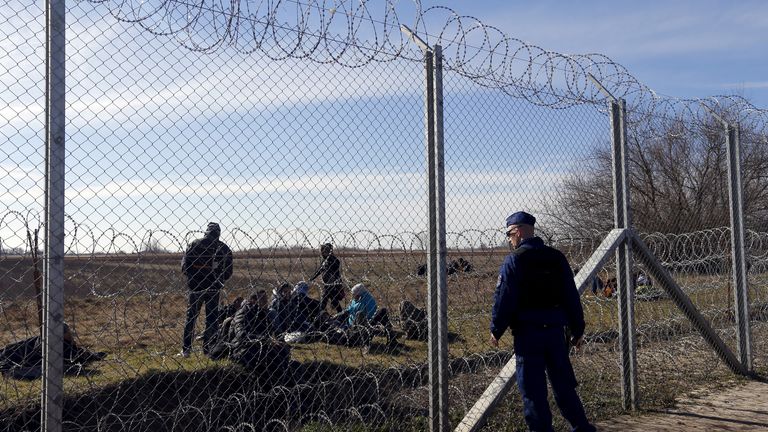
678,179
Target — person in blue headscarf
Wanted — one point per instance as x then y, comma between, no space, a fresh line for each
362,307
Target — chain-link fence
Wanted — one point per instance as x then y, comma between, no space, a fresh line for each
296,125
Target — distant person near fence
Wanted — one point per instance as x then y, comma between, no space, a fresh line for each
536,298
333,287
207,264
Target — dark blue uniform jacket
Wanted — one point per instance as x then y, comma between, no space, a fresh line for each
535,289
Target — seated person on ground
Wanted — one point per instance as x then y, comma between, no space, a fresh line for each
279,308
229,310
302,309
596,285
459,265
354,325
23,359
225,321
414,321
251,345
360,310
250,322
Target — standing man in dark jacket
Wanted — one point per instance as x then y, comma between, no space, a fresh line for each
207,264
536,298
333,287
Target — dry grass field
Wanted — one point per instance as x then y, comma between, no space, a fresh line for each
133,308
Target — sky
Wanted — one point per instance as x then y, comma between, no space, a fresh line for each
682,49
162,139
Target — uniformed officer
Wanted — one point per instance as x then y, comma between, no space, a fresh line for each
536,298
207,264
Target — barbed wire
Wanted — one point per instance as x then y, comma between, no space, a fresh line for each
270,256
371,393
358,33
336,396
127,297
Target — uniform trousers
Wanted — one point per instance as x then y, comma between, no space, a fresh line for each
541,352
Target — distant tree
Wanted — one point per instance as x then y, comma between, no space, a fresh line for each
678,180
152,245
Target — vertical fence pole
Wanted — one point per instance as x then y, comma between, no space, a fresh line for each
442,292
432,249
53,331
738,261
436,291
624,276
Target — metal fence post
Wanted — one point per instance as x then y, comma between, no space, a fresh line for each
53,331
738,261
442,292
432,265
624,276
436,248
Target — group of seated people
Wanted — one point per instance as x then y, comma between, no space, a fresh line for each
605,286
291,315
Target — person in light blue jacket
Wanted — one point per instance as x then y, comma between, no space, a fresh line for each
362,307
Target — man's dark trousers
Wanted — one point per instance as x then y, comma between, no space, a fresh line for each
539,349
209,298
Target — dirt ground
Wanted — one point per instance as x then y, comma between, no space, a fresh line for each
743,407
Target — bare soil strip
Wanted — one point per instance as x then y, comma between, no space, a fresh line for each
743,407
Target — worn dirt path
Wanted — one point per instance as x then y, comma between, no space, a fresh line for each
743,407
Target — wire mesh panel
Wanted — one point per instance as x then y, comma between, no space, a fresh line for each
503,155
22,169
752,139
285,156
680,203
246,215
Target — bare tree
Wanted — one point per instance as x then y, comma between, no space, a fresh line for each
678,180
152,245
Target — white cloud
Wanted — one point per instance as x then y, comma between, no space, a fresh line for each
746,85
634,30
22,114
527,183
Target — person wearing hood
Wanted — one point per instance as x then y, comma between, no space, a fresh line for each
207,264
362,307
